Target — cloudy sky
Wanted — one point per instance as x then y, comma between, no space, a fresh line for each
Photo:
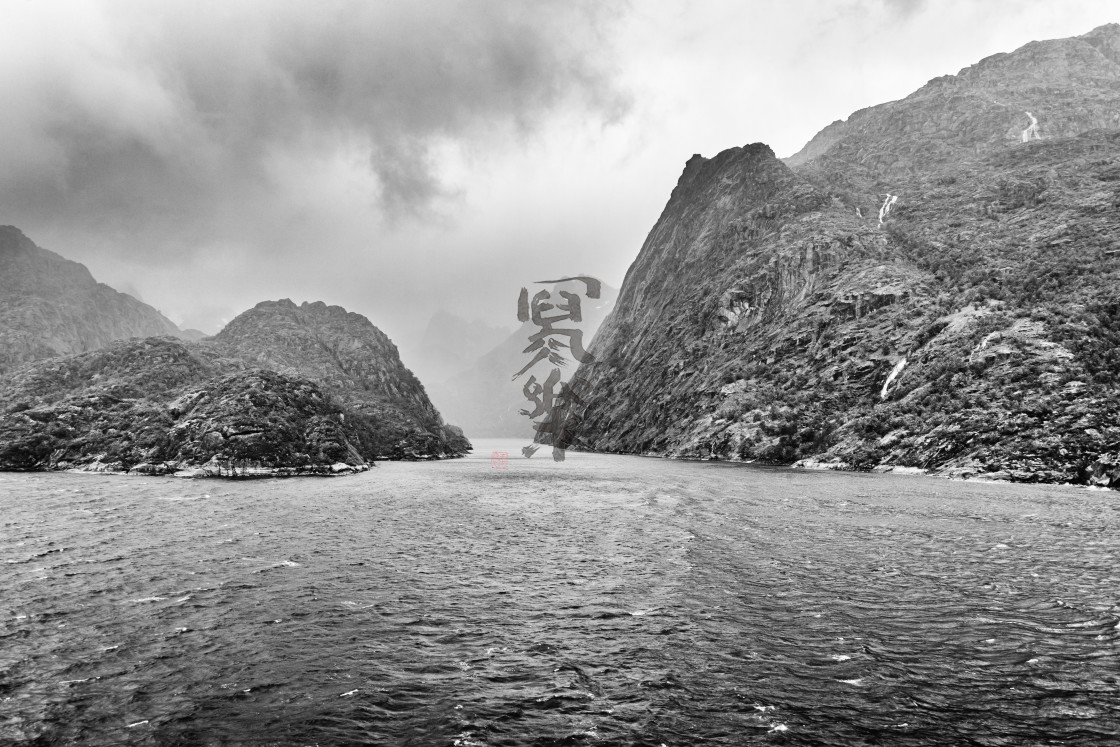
398,157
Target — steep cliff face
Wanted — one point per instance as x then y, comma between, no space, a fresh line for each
284,390
52,306
928,287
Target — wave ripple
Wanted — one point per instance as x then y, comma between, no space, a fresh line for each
605,600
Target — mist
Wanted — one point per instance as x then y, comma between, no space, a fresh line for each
399,158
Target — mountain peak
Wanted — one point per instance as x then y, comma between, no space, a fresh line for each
13,240
1041,91
1106,39
345,352
52,306
1104,31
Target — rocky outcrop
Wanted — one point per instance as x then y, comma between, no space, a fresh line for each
51,306
284,390
350,358
157,406
1105,471
770,309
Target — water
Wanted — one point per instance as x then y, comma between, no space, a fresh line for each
603,601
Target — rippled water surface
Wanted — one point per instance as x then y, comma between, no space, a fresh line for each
604,600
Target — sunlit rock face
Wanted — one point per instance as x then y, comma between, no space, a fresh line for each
773,301
283,390
51,306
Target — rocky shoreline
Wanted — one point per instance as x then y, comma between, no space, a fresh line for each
1103,474
227,469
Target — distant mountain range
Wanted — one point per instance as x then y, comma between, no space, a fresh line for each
283,389
480,394
450,343
932,284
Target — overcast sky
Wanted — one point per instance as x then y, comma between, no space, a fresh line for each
400,157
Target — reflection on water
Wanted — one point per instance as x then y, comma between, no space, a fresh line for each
603,600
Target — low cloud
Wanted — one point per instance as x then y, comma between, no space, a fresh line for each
164,126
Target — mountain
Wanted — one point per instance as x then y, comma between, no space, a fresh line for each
481,396
353,360
1045,90
159,405
51,306
450,343
932,284
282,390
192,334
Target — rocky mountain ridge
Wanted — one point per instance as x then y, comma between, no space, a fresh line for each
1063,86
52,306
933,285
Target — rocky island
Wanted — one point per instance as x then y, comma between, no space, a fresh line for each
281,390
932,284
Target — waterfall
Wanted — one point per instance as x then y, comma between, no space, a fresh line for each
1031,133
893,375
885,210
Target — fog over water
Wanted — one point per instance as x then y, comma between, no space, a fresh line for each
603,600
